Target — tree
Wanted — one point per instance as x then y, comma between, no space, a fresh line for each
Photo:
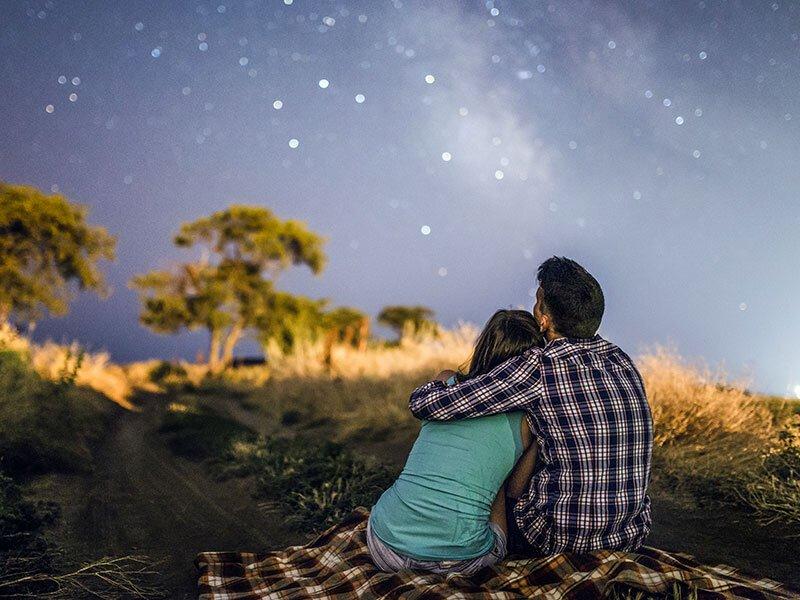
408,321
344,325
47,250
348,326
230,289
290,321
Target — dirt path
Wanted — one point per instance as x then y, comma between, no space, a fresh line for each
142,499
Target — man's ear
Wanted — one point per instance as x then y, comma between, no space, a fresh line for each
544,323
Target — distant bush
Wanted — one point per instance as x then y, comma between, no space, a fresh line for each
165,369
170,376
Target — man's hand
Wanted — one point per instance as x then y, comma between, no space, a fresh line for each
445,375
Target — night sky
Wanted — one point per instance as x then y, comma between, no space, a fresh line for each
445,149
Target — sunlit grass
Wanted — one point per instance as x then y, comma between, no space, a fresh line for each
714,440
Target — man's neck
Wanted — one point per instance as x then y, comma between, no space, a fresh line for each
552,335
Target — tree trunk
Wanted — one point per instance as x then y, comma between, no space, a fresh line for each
407,332
363,335
349,335
230,343
327,350
213,350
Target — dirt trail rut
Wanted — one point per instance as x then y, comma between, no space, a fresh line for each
141,499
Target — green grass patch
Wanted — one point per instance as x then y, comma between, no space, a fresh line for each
45,425
199,433
317,484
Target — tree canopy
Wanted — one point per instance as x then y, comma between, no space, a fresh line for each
408,321
229,290
290,320
253,235
47,251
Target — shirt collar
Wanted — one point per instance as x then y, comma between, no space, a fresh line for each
584,342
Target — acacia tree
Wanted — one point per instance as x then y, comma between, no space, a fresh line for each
408,321
344,325
47,251
229,289
290,321
293,320
348,326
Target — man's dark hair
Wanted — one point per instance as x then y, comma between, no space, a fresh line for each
572,297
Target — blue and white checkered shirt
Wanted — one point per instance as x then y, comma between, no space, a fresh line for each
587,409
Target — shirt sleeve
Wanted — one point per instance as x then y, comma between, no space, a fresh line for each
513,385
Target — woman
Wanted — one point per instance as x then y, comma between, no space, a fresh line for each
446,511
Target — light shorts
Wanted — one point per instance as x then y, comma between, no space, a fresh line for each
387,559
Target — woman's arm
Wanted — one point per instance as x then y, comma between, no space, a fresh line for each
519,480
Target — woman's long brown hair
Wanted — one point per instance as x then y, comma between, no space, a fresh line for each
507,333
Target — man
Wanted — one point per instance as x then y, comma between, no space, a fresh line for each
586,406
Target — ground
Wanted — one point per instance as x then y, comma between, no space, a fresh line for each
142,499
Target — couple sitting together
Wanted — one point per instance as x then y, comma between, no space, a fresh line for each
543,446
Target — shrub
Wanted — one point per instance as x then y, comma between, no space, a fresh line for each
20,520
45,425
774,491
318,484
164,370
22,546
30,567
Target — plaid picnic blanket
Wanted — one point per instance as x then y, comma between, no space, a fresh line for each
336,565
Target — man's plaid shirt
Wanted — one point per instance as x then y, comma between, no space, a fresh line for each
587,409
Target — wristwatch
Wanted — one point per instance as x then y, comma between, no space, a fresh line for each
451,381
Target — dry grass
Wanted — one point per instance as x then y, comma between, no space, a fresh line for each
712,437
119,382
714,441
92,370
108,578
694,403
447,349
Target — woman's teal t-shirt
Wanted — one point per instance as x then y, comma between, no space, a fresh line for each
438,509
